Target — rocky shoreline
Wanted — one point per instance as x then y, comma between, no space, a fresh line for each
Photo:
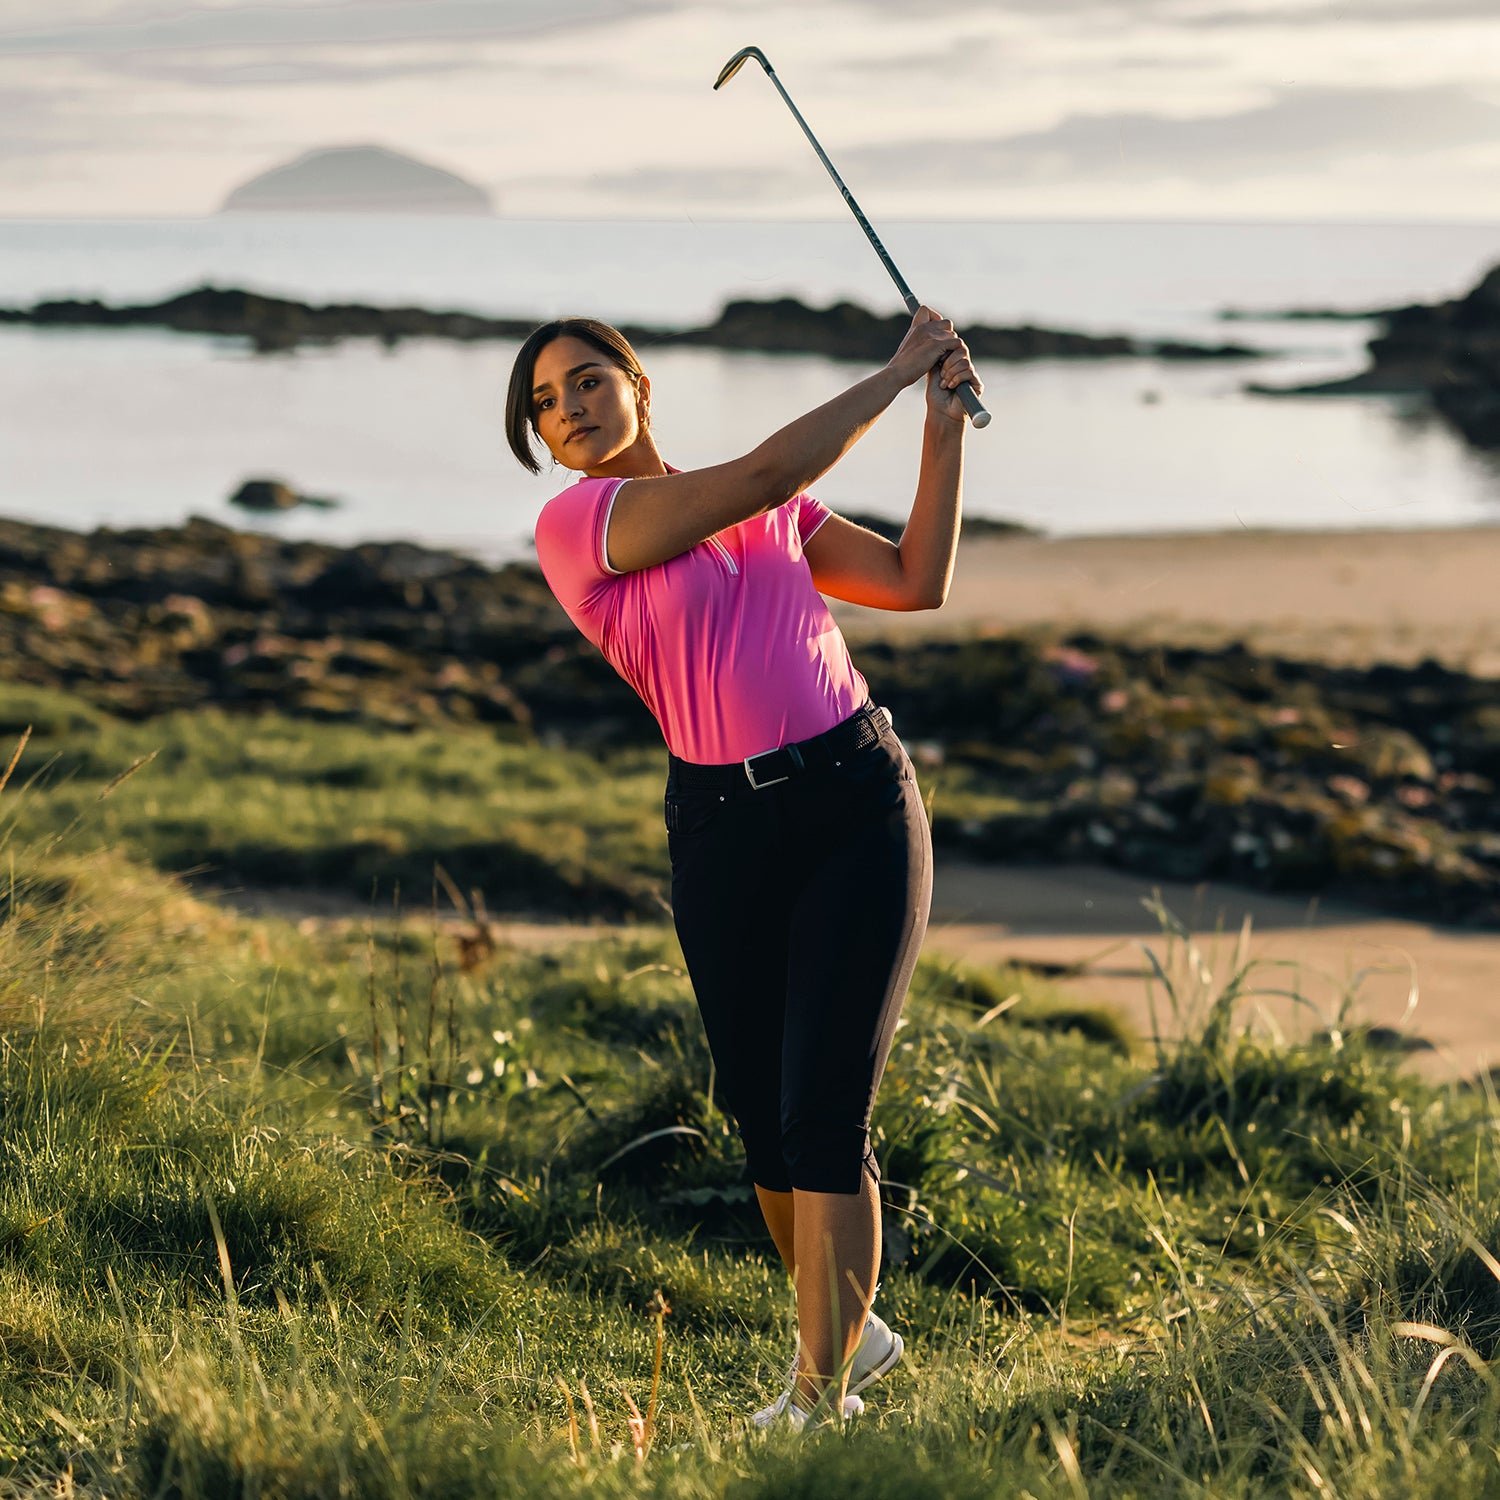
1448,353
1373,784
780,325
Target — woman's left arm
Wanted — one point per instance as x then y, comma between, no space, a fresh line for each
851,563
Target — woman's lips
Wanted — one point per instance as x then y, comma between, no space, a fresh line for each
582,432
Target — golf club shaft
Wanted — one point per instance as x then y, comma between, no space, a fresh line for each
966,392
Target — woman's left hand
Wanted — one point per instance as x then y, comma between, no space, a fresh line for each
943,381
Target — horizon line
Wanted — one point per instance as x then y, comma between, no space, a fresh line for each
326,215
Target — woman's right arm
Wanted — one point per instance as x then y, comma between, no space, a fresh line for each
657,518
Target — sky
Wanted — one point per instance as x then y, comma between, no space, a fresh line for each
601,109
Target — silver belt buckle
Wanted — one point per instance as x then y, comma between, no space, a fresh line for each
760,786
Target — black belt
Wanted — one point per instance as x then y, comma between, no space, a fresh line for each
756,772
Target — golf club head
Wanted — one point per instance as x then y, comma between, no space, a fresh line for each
738,61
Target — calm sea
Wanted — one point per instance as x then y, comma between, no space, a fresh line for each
124,427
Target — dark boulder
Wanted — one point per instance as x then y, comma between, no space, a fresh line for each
273,495
265,494
1449,352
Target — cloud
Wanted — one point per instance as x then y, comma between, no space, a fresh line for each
963,54
53,129
314,66
719,186
1300,129
313,23
1193,13
1123,12
1345,13
1301,132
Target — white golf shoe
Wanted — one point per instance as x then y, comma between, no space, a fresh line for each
784,1409
879,1352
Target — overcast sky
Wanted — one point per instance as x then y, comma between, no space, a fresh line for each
600,109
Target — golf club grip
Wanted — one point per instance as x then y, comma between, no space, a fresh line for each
973,405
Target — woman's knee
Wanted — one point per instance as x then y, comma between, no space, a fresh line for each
827,1157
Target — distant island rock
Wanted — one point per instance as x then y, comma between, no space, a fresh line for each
358,179
783,326
1449,353
974,528
847,331
1303,314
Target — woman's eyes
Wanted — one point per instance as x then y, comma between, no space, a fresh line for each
586,384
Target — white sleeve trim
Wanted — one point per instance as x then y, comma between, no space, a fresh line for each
604,531
811,534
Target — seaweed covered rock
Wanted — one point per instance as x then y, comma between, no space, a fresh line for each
149,620
1378,784
1192,765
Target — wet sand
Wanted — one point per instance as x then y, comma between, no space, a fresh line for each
1337,596
1440,987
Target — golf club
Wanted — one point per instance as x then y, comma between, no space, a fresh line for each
967,394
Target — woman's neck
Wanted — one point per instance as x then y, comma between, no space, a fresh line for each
639,461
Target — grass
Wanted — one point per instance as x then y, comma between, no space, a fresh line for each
230,1265
275,801
270,800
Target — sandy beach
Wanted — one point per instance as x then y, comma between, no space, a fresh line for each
1350,597
1436,986
1353,597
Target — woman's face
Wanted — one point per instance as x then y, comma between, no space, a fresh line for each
587,411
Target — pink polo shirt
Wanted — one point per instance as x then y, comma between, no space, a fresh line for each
728,644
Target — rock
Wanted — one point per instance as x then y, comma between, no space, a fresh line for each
1303,315
783,325
1376,785
265,494
274,494
973,527
357,179
845,330
1449,352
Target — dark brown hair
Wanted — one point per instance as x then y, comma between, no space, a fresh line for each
520,419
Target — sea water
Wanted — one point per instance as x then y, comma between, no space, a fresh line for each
129,427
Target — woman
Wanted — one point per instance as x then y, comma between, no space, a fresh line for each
801,855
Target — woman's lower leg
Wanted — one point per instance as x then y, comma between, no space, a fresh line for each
837,1247
780,1215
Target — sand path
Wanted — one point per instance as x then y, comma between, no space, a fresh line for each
1335,596
1081,915
1065,915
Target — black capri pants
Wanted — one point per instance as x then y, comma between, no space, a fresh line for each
801,907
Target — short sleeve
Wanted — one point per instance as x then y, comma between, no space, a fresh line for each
570,541
809,514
